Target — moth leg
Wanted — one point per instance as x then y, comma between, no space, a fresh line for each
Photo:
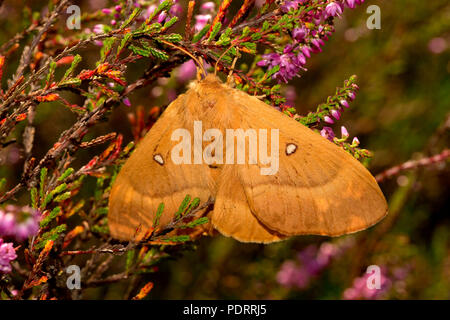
230,74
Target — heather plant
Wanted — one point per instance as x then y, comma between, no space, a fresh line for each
64,77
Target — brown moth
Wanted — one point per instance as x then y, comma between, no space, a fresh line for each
318,188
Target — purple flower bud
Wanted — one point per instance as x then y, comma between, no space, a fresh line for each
327,133
301,58
201,20
288,48
126,102
98,29
7,254
162,16
208,7
150,10
344,103
21,232
176,10
328,119
106,11
316,43
298,34
344,132
306,51
333,9
118,8
7,223
113,22
351,3
262,63
289,5
336,114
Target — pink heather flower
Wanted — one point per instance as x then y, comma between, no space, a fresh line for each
289,62
149,11
352,3
291,275
113,22
10,225
289,5
344,103
126,102
306,51
176,10
355,141
311,261
201,20
328,119
118,8
298,34
106,11
352,97
162,16
437,45
326,253
7,223
333,9
327,133
186,71
99,29
7,254
344,132
336,114
317,43
208,7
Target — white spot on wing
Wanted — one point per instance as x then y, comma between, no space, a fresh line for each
290,148
159,159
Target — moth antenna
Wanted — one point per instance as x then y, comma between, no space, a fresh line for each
230,74
220,58
200,68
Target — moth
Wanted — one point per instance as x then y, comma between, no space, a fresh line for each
318,188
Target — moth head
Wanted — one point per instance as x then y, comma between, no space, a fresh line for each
210,81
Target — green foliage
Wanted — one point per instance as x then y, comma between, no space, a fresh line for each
159,213
50,235
50,217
